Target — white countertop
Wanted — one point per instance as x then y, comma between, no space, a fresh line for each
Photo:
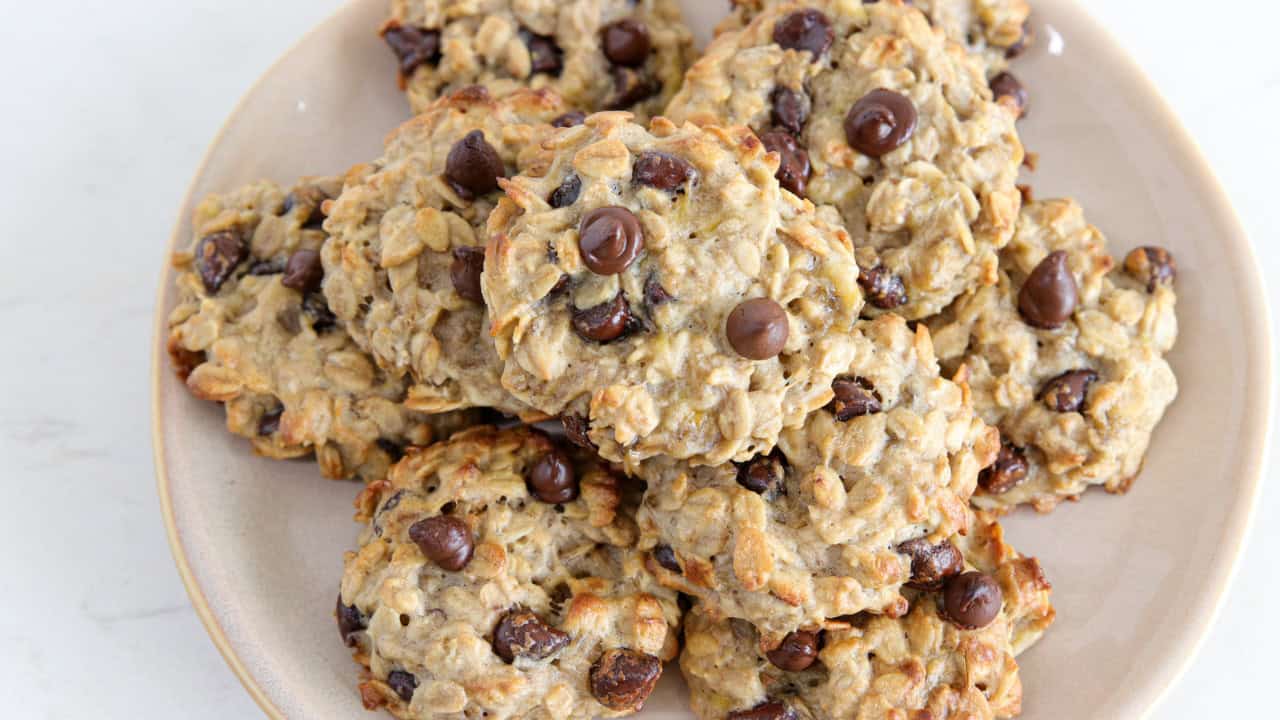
107,107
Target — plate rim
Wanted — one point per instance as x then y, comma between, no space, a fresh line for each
1259,406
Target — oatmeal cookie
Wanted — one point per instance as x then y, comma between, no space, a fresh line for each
252,331
495,579
950,657
597,54
816,530
879,116
403,264
1065,355
657,289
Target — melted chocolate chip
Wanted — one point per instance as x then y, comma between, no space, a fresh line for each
855,397
349,622
520,633
931,565
762,474
445,540
473,167
573,118
465,271
414,47
1068,391
544,54
1007,472
1007,85
797,651
322,318
403,683
881,122
217,256
607,321
884,289
630,87
303,271
768,710
609,239
654,293
567,194
790,110
552,479
623,679
262,268
577,429
758,328
793,166
269,423
805,30
666,557
626,42
1152,266
663,171
1048,296
972,600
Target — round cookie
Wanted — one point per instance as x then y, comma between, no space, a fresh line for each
1065,355
878,115
495,579
252,331
950,656
402,266
657,290
816,530
597,54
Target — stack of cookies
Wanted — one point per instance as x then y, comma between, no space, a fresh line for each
733,360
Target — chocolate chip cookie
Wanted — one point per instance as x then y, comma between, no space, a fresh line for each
656,289
950,656
597,54
878,115
1065,354
404,261
495,579
817,529
252,331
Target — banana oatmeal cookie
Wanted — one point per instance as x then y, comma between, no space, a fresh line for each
597,54
252,331
657,290
407,248
1065,354
495,579
817,530
975,605
877,114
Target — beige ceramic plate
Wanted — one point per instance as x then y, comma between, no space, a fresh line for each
1138,578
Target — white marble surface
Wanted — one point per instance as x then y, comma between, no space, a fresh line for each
106,110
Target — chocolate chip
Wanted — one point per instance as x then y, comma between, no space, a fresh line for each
880,122
790,110
568,192
269,423
465,271
403,683
607,321
393,449
931,564
1153,266
1007,472
1048,295
884,289
322,318
262,268
793,166
473,167
610,238
544,54
630,87
805,30
666,557
797,651
303,271
654,293
626,42
217,256
349,622
662,171
1067,392
572,118
522,634
758,328
577,429
623,679
768,710
552,479
972,600
413,46
445,540
762,474
1006,84
855,397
